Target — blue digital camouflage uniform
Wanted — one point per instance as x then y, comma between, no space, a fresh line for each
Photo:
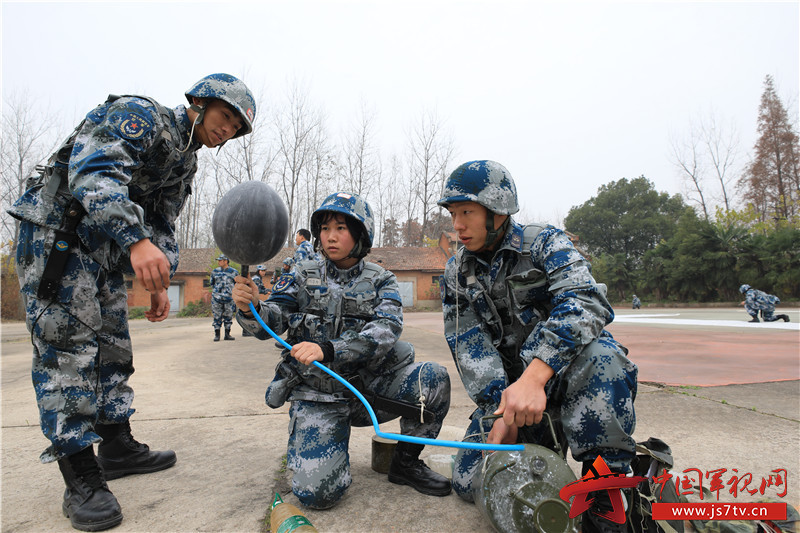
262,289
222,306
126,169
305,252
756,300
539,300
359,310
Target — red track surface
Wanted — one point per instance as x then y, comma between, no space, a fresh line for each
697,356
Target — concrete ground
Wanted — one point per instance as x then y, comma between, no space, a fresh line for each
722,393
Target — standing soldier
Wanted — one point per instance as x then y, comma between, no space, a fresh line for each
305,251
222,281
106,204
524,320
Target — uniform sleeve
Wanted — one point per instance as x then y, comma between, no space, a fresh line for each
106,152
478,361
372,343
275,311
580,307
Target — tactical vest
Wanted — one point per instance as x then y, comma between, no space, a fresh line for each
513,305
351,312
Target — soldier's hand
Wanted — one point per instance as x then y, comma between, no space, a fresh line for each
245,291
307,352
150,265
159,306
524,401
502,433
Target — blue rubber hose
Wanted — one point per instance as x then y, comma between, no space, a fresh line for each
378,432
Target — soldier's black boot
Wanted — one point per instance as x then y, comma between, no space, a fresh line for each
216,335
755,319
88,503
593,522
407,468
228,335
785,318
120,454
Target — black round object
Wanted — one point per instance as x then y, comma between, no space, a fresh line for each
250,223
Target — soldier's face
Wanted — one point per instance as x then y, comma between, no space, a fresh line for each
298,239
220,124
337,242
469,221
222,263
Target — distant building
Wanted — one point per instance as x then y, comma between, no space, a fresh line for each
417,270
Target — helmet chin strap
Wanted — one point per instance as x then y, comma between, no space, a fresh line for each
492,233
201,111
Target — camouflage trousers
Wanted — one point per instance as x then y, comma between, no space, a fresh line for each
223,313
82,357
593,401
768,314
319,432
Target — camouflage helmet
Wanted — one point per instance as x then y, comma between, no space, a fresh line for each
231,90
260,267
222,257
744,288
353,206
485,182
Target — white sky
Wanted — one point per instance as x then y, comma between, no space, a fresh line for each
567,95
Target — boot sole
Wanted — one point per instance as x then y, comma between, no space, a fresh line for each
116,474
400,481
92,526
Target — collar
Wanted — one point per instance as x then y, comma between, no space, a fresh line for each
342,275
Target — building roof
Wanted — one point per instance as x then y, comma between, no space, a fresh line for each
201,260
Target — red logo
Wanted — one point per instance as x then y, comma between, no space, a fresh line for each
599,477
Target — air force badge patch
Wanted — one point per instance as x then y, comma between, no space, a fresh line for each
133,126
284,281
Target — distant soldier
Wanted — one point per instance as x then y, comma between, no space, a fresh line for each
305,251
222,306
756,301
106,204
637,303
258,279
286,267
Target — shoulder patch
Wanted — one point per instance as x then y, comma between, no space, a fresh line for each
134,126
283,282
516,240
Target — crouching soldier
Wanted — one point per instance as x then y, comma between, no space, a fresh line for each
525,319
106,204
346,313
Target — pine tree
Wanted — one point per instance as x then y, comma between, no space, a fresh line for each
771,183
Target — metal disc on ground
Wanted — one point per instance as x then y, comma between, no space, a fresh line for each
250,223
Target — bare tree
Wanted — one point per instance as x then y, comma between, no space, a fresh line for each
687,159
386,202
710,149
361,157
431,150
28,138
298,129
722,149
